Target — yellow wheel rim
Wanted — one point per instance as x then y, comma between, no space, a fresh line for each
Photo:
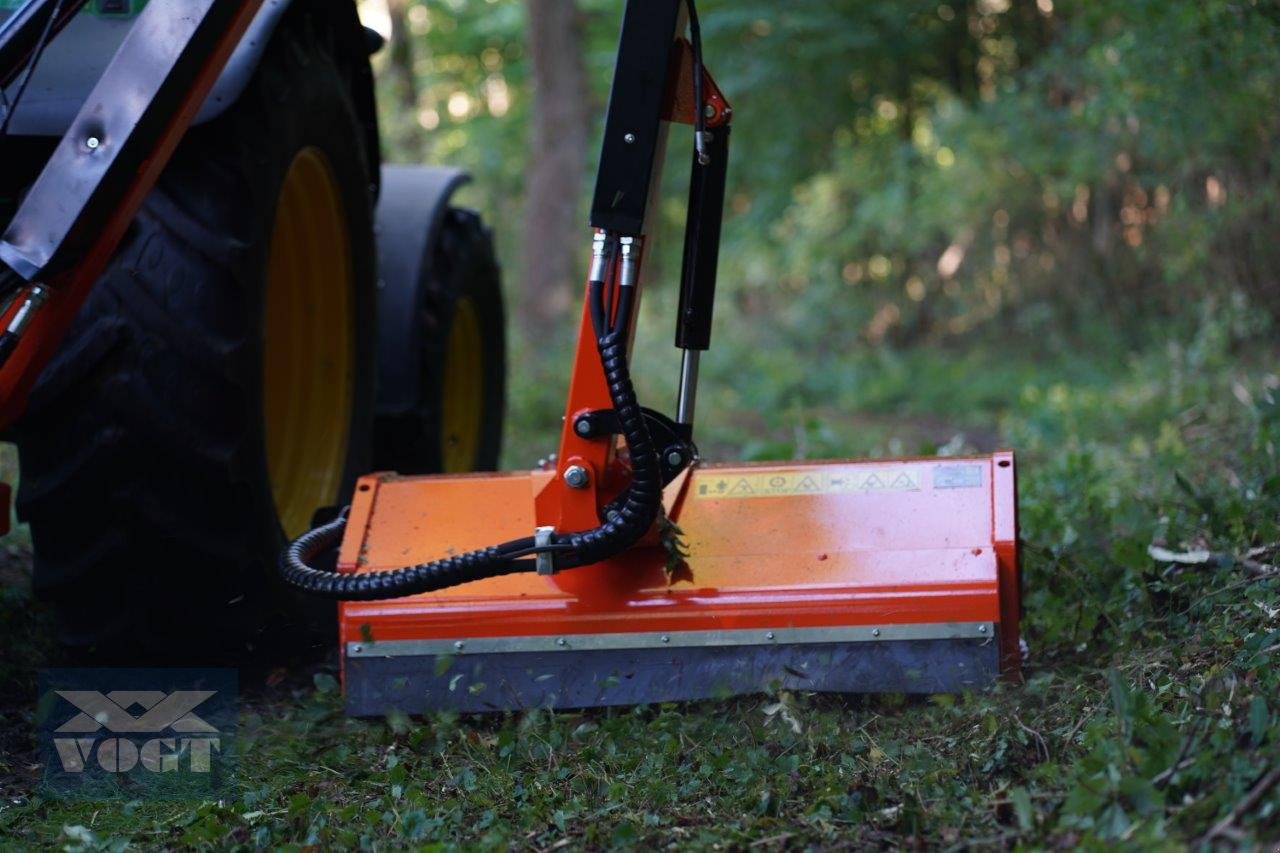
308,343
462,409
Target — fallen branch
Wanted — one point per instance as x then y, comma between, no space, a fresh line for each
1087,714
1255,569
1251,799
1167,774
1041,746
1251,563
1263,551
1181,762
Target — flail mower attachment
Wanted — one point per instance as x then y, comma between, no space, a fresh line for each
630,573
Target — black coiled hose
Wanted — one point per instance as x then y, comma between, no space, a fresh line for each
636,510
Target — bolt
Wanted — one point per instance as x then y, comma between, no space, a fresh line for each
458,644
665,638
875,632
675,459
709,111
982,629
769,636
560,641
577,477
92,143
357,648
582,427
630,138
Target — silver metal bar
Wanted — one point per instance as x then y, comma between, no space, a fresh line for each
688,396
674,639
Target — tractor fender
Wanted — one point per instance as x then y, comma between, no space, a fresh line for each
411,207
75,60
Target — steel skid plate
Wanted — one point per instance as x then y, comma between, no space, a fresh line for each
849,576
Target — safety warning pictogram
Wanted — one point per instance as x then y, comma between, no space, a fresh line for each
808,481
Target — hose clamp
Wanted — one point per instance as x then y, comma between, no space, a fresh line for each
629,269
601,255
545,560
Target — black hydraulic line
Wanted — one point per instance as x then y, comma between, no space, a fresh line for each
622,316
451,571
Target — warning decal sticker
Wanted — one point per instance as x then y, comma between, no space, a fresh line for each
807,481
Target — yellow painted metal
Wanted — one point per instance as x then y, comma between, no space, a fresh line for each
308,343
462,409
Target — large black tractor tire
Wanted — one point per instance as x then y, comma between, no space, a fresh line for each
217,386
449,419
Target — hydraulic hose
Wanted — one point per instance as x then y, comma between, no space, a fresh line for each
424,577
634,515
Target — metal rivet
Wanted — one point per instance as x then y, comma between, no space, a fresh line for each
92,142
769,636
674,458
875,632
576,476
560,641
630,138
665,638
982,629
582,427
459,645
357,648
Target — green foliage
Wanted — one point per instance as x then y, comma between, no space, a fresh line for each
1151,707
908,169
1063,208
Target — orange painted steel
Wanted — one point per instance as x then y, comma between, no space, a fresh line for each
843,543
680,91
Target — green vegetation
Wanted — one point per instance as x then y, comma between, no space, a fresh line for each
1151,707
1043,225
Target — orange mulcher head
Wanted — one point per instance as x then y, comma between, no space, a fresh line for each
632,574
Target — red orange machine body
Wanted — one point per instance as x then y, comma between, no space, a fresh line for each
880,575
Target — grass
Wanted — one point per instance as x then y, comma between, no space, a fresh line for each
1150,715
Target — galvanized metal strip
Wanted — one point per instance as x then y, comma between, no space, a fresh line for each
673,639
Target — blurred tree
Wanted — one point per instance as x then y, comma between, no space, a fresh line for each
401,79
903,169
553,230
